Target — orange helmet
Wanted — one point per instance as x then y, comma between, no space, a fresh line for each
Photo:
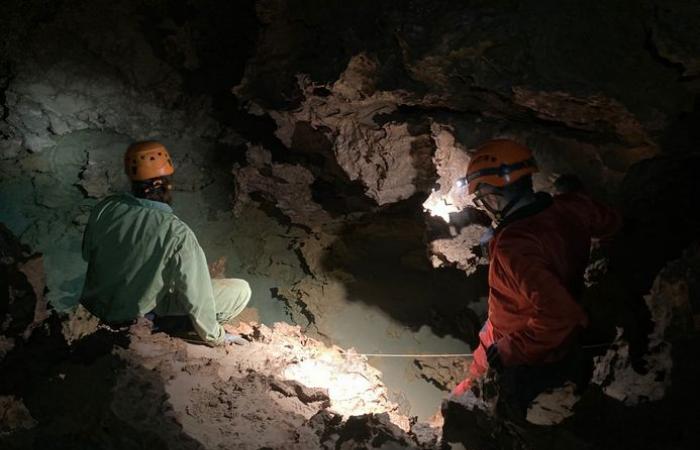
499,162
146,160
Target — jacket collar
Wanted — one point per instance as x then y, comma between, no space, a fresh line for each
152,204
542,202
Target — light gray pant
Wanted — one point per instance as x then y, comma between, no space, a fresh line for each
231,295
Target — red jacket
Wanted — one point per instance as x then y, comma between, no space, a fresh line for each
537,260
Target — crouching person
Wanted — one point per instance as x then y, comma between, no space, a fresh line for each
143,260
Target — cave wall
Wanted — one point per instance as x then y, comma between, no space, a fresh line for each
79,83
388,87
349,122
329,116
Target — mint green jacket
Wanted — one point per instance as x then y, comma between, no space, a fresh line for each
140,255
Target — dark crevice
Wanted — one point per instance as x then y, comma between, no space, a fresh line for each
297,307
651,48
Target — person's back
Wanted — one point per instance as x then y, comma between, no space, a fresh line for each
128,244
143,260
538,258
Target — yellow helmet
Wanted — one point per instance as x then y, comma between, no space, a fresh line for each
146,160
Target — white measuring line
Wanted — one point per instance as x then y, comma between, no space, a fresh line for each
427,355
451,355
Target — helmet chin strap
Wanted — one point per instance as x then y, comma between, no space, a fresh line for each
496,215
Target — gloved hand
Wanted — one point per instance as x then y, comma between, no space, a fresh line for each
230,338
494,358
461,388
151,316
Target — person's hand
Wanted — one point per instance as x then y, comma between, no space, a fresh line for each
217,269
461,388
230,338
494,358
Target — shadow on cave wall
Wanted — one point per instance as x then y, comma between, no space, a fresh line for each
658,203
385,254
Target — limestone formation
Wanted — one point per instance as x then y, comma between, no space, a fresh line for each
673,310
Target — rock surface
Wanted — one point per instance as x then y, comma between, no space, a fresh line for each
673,303
281,390
22,303
14,415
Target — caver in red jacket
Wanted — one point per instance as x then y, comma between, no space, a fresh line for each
537,260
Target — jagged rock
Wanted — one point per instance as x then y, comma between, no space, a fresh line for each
126,88
672,311
9,148
461,250
675,36
445,373
553,407
594,271
304,393
14,415
386,158
6,345
448,205
272,387
33,270
428,435
78,324
469,420
22,303
287,186
583,113
491,59
258,157
372,432
451,160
